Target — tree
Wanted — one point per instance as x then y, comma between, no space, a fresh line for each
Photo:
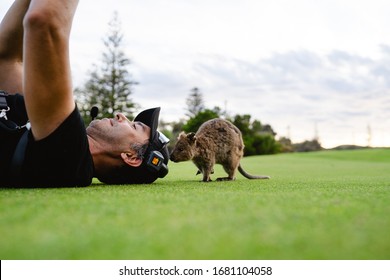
286,145
197,112
110,85
196,121
308,146
243,124
195,103
258,139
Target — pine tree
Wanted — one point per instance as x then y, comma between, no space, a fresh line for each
110,85
195,103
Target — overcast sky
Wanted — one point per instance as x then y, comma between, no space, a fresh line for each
304,67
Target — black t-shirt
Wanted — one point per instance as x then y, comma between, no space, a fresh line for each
62,159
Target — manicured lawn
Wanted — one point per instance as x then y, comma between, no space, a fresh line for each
323,205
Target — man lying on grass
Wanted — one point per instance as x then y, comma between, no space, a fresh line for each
43,141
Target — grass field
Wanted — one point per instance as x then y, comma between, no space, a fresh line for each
323,205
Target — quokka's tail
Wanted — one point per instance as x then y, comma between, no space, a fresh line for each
249,176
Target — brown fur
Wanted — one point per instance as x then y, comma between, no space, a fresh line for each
216,141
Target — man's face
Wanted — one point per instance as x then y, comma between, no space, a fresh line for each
118,132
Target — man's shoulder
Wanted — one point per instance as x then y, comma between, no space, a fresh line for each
63,158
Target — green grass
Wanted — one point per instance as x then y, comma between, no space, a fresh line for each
323,205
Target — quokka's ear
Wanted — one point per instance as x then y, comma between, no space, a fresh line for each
191,137
182,135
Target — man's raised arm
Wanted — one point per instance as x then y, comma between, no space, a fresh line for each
47,81
11,47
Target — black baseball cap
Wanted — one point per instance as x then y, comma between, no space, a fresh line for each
150,118
156,156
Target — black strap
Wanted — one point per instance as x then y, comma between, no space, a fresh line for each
3,100
11,127
6,124
18,157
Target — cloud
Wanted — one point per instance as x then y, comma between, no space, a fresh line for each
310,74
296,88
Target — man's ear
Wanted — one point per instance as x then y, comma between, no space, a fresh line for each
131,160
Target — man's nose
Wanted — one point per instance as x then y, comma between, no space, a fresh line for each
121,117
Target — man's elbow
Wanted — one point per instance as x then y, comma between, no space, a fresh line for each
40,20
